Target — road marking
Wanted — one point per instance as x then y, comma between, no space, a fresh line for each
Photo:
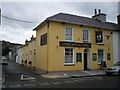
76,80
29,84
55,83
24,77
3,86
42,84
68,82
14,86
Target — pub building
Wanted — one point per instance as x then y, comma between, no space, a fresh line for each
66,42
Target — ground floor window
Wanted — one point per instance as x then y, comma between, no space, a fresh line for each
100,55
69,56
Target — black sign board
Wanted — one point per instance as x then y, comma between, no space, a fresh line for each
74,44
99,37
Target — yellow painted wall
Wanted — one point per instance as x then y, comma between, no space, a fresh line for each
41,51
29,52
56,53
33,51
24,54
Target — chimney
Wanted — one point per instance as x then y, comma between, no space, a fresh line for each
118,19
100,16
32,37
99,10
95,11
26,41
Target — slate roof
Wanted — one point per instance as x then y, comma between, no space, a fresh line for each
79,20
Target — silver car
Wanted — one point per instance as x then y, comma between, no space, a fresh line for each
115,70
3,60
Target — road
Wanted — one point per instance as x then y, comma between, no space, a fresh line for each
13,73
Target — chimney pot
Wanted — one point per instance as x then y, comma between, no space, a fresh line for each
99,10
95,11
32,37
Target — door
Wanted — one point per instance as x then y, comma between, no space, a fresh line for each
86,59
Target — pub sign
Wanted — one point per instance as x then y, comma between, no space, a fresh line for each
99,37
74,44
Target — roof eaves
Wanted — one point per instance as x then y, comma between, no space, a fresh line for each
80,24
37,27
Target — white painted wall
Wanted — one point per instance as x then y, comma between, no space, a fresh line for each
119,46
19,56
116,46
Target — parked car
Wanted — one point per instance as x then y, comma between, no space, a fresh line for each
115,70
4,60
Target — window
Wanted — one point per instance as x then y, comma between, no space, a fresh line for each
43,40
79,57
69,33
100,55
69,56
108,56
35,45
85,35
31,46
99,37
30,57
94,56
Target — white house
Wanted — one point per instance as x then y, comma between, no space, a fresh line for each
116,41
19,55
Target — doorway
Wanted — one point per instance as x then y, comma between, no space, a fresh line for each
86,59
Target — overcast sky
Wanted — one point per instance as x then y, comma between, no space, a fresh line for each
36,12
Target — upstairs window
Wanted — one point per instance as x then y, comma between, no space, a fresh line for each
43,39
35,45
31,46
86,36
69,33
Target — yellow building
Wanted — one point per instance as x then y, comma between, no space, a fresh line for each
29,52
66,42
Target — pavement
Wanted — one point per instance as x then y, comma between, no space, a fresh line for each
75,74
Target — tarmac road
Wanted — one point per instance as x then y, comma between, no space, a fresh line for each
14,72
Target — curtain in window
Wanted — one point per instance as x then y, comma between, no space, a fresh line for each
68,55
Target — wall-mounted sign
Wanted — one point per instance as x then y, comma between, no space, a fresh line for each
43,39
74,44
99,37
78,57
94,56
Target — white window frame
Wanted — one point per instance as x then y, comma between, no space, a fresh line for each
35,45
73,57
99,62
30,56
72,33
31,46
88,35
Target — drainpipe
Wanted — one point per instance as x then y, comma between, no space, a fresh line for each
47,46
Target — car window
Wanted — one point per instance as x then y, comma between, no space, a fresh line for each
117,64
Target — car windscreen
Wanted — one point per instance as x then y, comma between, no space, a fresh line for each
117,64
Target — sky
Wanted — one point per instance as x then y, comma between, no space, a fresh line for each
35,12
